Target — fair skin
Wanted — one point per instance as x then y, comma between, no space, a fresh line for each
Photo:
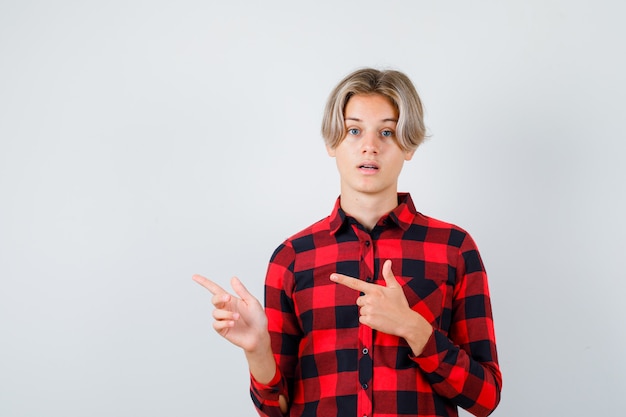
369,161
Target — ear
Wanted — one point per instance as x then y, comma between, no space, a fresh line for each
331,151
408,155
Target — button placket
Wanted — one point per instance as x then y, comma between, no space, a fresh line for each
365,363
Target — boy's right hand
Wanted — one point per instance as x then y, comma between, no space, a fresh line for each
241,321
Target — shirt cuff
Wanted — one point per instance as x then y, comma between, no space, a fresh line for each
271,390
430,358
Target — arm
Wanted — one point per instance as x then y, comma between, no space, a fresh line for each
463,365
242,321
285,334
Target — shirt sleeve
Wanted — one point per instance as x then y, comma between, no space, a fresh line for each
463,365
284,330
265,396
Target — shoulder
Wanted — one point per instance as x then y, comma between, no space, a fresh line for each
459,245
319,227
443,232
305,239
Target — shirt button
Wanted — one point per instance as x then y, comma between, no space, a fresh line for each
364,386
368,279
367,243
365,351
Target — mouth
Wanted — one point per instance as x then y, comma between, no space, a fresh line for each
369,166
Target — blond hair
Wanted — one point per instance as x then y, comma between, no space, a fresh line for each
393,85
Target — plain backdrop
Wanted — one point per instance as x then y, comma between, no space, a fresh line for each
144,141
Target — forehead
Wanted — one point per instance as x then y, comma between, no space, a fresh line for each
370,106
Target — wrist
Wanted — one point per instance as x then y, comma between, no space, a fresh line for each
418,333
261,346
261,362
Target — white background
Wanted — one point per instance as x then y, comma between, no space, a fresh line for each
144,141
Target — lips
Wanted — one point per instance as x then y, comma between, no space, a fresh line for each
369,166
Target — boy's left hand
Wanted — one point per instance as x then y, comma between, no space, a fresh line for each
386,309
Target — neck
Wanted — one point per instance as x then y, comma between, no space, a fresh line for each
368,209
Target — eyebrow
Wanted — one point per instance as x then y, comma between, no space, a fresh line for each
356,119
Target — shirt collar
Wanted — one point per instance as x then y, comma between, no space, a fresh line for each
402,215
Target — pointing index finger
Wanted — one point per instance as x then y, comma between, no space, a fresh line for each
350,282
209,285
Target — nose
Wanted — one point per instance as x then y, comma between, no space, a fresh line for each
369,143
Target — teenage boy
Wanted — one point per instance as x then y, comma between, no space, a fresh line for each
376,310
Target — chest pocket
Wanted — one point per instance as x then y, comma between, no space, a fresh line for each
431,297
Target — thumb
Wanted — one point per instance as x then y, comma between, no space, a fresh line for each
390,279
242,291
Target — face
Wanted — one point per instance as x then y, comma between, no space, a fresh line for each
369,158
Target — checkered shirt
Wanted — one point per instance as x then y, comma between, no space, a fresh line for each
328,364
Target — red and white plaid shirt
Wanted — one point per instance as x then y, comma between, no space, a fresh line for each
331,365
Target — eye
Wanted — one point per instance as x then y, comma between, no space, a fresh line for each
354,131
387,133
